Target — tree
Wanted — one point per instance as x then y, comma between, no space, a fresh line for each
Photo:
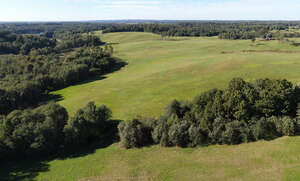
88,124
196,136
236,132
179,133
132,134
34,132
276,97
239,100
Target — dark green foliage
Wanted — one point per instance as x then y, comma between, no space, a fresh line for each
239,100
236,132
289,126
88,124
206,107
33,132
46,130
44,64
196,136
225,30
178,134
132,134
243,112
160,133
276,97
177,109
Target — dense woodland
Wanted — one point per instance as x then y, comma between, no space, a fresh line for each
34,65
224,30
53,27
37,59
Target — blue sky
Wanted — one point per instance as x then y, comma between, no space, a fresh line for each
68,10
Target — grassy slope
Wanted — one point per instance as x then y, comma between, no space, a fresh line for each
160,70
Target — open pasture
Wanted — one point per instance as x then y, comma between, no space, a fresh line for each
160,70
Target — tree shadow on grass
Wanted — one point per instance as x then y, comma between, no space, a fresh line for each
29,169
109,138
25,170
118,64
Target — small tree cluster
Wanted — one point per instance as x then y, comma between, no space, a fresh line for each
47,130
243,112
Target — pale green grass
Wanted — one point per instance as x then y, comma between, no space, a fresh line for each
159,71
263,160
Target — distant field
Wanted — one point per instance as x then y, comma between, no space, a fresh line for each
159,71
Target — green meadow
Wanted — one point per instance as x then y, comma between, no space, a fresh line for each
263,160
158,71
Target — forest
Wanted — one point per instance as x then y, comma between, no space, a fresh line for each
224,30
31,66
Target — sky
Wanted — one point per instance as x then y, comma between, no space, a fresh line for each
79,10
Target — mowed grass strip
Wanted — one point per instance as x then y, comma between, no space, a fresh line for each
160,70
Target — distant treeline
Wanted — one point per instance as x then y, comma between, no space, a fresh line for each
59,27
34,65
225,30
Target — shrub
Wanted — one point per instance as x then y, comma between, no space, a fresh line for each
215,134
179,133
236,132
289,127
196,136
131,134
160,133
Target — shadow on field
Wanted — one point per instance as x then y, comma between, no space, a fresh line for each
19,171
91,79
108,139
118,65
29,169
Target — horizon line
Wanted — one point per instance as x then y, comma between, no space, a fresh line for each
45,21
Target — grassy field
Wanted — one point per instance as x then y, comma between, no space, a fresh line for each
263,160
157,72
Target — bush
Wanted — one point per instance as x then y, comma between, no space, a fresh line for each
196,136
289,126
132,134
160,133
215,134
236,132
179,133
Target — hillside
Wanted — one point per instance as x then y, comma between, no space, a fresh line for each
159,71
